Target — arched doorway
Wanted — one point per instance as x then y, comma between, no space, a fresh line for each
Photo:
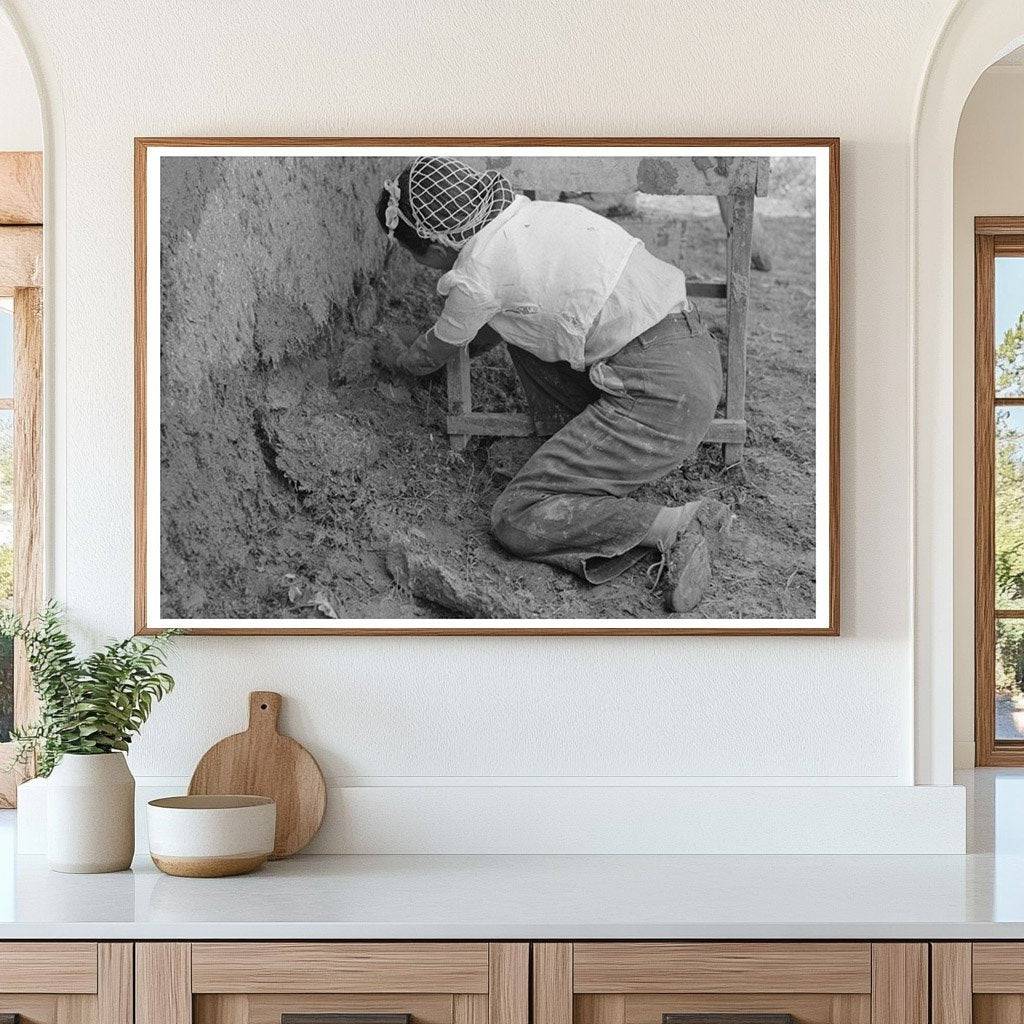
975,35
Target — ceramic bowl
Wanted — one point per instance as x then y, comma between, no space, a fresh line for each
211,836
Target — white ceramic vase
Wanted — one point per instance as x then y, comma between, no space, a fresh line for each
90,814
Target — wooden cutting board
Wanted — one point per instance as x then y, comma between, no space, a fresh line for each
262,762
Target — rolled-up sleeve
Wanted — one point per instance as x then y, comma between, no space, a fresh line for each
467,308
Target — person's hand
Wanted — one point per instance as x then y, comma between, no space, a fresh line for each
389,350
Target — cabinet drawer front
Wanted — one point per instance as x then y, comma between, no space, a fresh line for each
339,967
629,967
56,967
998,967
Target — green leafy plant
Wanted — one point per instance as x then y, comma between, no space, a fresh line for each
90,705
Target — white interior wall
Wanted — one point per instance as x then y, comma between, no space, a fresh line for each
988,181
21,125
446,714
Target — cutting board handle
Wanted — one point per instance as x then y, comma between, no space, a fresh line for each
264,711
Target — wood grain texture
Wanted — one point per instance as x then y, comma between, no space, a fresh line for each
984,503
262,762
816,1008
76,1009
851,1009
340,967
756,967
31,1009
899,983
28,482
65,967
467,1008
163,983
21,188
142,145
225,1009
599,1009
951,983
552,983
21,257
115,983
269,1008
997,967
508,989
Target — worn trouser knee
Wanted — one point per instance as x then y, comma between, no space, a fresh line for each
511,508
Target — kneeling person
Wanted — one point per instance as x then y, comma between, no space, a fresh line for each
615,363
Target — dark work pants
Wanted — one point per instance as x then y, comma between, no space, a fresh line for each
632,420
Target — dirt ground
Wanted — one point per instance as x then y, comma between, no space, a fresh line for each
369,514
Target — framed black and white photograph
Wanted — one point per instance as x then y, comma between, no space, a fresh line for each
506,386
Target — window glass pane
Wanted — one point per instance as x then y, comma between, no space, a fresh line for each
6,349
6,567
1009,679
1009,324
1009,534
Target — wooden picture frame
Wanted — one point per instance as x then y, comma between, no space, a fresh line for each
462,422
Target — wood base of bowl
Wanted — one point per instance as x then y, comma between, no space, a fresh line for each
210,867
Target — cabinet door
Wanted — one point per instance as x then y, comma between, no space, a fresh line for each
332,983
747,982
980,982
66,982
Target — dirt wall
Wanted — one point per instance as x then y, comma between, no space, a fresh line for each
263,261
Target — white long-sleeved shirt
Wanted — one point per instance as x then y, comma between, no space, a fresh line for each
558,280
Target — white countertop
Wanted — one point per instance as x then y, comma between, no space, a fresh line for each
978,896
532,897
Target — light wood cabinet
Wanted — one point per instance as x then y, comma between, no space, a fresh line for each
979,982
262,982
66,982
647,982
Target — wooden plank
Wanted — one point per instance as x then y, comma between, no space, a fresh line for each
460,395
115,1002
163,983
21,257
722,967
339,967
508,991
899,983
741,235
951,984
21,188
66,967
806,1008
655,175
552,983
984,502
467,1009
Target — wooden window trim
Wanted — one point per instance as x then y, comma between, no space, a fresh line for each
993,236
21,182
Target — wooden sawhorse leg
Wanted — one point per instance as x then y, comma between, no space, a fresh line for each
460,394
741,231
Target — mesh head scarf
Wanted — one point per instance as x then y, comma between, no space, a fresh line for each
450,202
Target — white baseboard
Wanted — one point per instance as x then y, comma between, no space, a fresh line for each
601,819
